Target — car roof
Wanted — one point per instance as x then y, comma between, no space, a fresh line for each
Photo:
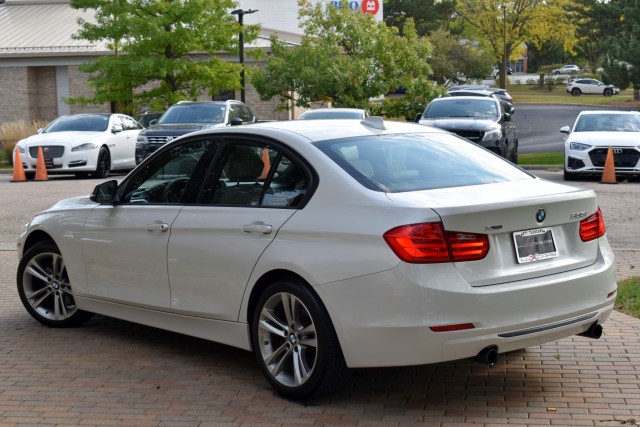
321,130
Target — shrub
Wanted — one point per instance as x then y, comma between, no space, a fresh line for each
12,132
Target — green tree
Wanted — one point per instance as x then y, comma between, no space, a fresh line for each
611,30
451,56
428,15
164,50
505,25
347,58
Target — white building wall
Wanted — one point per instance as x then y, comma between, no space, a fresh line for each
282,15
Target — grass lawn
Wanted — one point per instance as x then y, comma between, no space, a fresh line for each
535,159
628,299
523,93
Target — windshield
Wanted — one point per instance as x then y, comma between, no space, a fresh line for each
81,123
480,108
414,162
608,123
193,113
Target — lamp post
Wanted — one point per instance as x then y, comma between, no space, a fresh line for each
503,75
241,13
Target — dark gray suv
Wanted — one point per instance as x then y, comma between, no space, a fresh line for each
477,118
186,117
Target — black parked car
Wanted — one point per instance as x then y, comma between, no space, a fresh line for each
480,119
186,117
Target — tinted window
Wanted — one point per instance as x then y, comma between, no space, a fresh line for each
412,162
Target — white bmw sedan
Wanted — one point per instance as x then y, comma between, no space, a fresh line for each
327,245
83,144
588,141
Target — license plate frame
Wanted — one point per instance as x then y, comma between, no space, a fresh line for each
534,245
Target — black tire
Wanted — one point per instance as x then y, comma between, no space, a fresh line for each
103,168
514,155
569,176
30,176
575,92
82,175
608,92
279,341
44,288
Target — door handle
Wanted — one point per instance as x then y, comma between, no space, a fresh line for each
158,227
257,228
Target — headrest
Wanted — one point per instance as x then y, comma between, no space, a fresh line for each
244,164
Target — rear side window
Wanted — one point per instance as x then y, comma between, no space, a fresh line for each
414,162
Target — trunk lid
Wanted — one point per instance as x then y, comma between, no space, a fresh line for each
503,210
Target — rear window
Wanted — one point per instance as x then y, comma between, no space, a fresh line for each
414,162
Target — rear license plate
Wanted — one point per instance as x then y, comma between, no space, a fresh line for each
534,245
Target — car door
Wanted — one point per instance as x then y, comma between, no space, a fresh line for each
216,242
122,142
125,245
591,86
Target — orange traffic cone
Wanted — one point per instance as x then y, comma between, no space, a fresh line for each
609,173
267,163
18,168
41,169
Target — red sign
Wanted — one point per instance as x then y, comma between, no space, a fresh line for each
370,6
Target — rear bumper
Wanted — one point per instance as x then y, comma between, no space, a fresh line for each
388,325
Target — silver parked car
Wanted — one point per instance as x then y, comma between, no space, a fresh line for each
325,245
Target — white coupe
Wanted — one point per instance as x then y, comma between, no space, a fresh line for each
82,144
324,245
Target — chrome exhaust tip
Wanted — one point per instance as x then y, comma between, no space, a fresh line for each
594,331
488,356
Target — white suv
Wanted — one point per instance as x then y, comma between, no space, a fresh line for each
590,86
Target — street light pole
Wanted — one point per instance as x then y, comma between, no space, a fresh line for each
503,75
241,13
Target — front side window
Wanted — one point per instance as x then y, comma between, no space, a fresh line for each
164,180
414,162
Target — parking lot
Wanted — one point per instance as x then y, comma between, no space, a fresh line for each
112,372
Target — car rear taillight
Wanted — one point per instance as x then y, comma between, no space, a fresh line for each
431,243
593,227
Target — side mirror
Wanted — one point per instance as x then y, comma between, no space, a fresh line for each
417,117
117,128
105,192
507,117
565,129
153,122
236,121
39,130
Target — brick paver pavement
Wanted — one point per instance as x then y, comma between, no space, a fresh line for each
111,372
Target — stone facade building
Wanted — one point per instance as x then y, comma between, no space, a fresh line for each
40,59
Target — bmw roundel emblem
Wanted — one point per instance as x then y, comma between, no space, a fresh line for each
541,215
